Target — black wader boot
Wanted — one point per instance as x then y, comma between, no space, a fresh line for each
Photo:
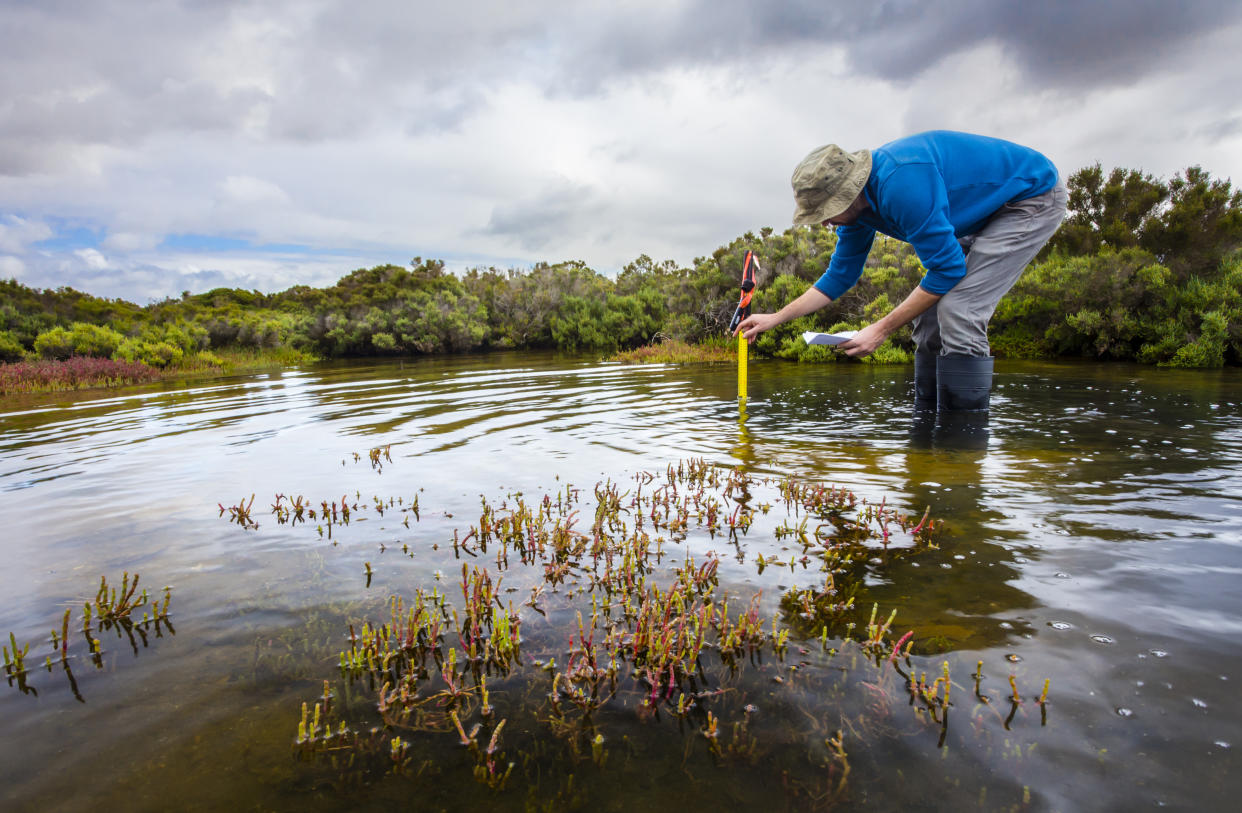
925,381
963,383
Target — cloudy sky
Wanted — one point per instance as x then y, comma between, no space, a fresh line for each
152,147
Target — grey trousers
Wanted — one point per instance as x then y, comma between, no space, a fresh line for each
995,257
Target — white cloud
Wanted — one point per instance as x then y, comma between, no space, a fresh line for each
126,242
11,267
17,233
151,276
93,260
247,189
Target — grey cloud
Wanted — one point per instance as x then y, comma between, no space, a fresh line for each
115,71
23,156
1222,130
559,211
447,110
1065,43
108,73
1068,43
109,118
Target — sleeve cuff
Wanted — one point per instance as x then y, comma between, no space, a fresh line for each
831,288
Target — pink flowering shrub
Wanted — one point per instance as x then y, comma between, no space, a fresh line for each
76,372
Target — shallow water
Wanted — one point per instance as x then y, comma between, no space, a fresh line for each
1093,536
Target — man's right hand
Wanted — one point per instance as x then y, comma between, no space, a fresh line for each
810,301
756,323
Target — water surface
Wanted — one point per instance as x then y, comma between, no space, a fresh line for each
1093,536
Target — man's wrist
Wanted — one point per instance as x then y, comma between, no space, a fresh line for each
887,325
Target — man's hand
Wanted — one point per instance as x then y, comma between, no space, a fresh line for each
756,323
872,336
810,301
865,341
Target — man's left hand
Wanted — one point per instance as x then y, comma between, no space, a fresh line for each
864,342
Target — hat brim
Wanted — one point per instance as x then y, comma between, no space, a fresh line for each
844,197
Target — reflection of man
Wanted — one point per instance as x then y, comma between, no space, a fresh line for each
975,209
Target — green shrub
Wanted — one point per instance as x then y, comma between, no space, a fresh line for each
154,354
10,348
579,325
384,342
889,353
79,339
1208,350
815,353
1018,342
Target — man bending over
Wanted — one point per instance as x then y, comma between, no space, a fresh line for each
975,209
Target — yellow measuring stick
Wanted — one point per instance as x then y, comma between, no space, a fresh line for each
749,264
741,366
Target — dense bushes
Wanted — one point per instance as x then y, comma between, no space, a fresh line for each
79,339
10,348
1142,269
377,311
1190,224
1124,305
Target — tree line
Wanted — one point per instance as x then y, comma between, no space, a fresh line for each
1142,269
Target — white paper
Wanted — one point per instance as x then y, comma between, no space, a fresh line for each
811,337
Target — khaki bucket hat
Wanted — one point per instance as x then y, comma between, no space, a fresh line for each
827,182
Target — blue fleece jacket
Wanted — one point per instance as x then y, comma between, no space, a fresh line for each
930,189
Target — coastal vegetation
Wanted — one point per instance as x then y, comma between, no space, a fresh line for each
675,351
1142,269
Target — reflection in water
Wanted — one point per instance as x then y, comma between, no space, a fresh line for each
744,450
945,467
112,615
1097,504
949,430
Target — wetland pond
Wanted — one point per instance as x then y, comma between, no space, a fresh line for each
523,581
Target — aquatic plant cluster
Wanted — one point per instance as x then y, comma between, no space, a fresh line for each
625,633
113,610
